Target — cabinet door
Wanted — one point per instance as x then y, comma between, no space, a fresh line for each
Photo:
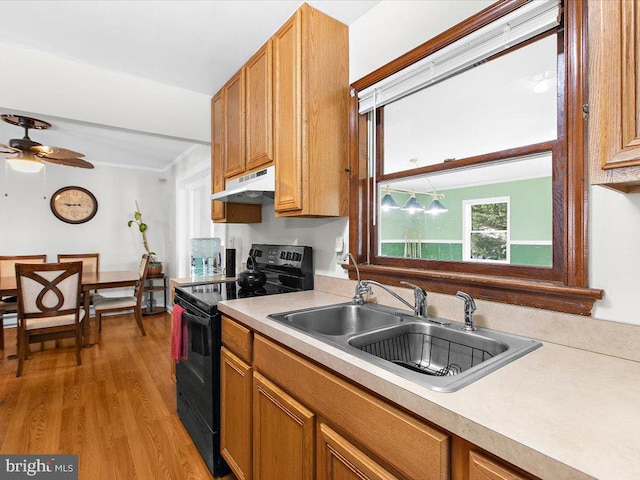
283,434
287,126
235,413
484,468
217,154
234,135
259,86
338,459
614,84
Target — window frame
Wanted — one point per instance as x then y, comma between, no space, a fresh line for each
564,287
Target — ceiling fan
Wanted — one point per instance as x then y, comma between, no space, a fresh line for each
25,155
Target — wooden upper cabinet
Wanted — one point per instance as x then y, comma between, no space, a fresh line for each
258,113
225,212
217,154
235,125
310,115
614,90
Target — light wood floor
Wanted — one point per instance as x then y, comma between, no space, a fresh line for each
116,411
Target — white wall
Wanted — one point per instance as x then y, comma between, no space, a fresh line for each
314,232
33,81
614,253
193,205
29,226
392,28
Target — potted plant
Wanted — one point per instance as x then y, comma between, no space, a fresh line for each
155,267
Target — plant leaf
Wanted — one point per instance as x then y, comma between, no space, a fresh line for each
130,222
137,215
143,227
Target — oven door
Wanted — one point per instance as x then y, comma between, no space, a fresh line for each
197,376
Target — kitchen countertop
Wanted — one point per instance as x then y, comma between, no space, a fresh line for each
558,412
201,280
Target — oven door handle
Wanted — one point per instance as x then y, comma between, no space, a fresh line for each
190,317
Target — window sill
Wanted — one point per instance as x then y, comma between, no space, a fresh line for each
528,293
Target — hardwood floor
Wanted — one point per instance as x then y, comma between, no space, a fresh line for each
116,411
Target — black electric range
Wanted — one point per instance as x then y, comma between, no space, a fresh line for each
288,268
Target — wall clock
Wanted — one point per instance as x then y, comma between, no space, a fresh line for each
74,204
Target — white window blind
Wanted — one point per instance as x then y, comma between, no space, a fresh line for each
516,27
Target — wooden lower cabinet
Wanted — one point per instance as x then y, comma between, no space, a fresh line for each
285,417
283,434
482,467
470,462
338,459
235,414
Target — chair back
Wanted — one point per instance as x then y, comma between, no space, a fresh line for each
48,290
90,261
7,263
143,269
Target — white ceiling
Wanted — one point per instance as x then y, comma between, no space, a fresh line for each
193,45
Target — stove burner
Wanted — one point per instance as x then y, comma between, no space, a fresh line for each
243,293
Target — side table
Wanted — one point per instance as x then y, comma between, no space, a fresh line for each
150,286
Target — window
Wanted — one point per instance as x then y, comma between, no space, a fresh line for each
470,161
486,230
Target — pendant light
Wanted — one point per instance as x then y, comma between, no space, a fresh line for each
436,207
388,203
412,206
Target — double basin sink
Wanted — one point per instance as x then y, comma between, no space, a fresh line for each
432,352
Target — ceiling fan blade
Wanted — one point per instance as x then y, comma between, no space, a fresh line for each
25,122
69,162
7,150
55,152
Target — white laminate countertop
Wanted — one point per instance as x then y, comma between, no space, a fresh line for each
557,412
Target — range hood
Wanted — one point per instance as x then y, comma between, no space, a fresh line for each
254,187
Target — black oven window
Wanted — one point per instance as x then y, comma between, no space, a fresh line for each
199,346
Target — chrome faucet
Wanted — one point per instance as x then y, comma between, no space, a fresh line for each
420,307
361,289
469,308
364,287
420,299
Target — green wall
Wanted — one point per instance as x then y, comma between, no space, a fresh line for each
530,220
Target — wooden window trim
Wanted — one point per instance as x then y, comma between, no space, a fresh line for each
564,287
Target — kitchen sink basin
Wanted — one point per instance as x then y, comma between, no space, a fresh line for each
429,349
432,352
340,319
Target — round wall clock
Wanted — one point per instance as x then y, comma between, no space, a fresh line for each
74,204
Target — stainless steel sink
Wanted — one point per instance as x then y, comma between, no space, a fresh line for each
340,319
429,351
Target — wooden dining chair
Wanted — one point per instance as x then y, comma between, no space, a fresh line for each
8,269
90,264
90,261
48,305
104,305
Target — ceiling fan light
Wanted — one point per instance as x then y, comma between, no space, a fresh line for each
25,165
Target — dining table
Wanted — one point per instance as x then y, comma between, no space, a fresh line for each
90,281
